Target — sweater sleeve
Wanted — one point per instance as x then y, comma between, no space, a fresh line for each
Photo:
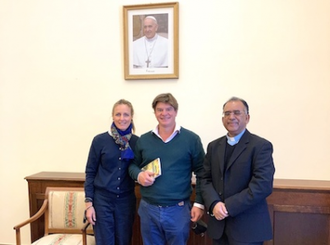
134,168
198,158
91,170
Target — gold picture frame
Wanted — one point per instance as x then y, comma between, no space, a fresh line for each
151,41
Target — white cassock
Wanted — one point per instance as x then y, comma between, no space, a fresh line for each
152,53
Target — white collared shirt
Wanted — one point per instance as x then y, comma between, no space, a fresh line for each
175,132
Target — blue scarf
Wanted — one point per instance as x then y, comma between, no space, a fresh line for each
122,138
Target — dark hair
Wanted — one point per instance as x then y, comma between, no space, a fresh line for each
129,104
167,98
237,99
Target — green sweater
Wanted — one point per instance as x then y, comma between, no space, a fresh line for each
180,157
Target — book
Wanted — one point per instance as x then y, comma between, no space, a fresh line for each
154,166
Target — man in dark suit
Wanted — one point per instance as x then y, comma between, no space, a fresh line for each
238,176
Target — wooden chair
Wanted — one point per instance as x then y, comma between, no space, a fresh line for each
63,210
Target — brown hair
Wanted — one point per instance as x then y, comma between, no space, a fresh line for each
167,98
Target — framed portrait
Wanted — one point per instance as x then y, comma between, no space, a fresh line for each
151,41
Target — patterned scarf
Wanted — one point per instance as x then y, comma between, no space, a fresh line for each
122,138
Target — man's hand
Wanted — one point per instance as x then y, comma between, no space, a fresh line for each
196,214
219,211
146,178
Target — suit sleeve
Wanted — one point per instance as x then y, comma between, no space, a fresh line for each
261,184
210,195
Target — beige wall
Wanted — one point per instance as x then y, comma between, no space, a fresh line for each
61,69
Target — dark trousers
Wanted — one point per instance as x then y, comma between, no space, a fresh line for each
114,218
224,240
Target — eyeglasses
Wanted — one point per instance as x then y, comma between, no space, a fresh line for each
236,113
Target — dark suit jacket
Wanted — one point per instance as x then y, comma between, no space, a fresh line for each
243,186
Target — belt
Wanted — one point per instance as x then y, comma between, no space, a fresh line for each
181,203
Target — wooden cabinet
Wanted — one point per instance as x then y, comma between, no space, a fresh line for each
37,184
300,212
299,209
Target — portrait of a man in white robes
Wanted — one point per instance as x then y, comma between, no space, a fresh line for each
150,50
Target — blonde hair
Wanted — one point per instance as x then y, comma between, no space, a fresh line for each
129,104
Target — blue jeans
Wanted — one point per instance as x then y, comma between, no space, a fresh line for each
164,225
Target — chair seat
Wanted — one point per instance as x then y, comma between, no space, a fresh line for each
64,239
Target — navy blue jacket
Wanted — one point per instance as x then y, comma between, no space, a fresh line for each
105,170
243,186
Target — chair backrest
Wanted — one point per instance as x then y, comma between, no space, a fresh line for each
65,211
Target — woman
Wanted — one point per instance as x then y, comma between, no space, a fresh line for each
109,190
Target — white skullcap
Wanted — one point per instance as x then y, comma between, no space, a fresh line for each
151,17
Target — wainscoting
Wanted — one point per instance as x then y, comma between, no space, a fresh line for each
299,209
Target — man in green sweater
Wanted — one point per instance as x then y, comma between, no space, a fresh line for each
165,210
